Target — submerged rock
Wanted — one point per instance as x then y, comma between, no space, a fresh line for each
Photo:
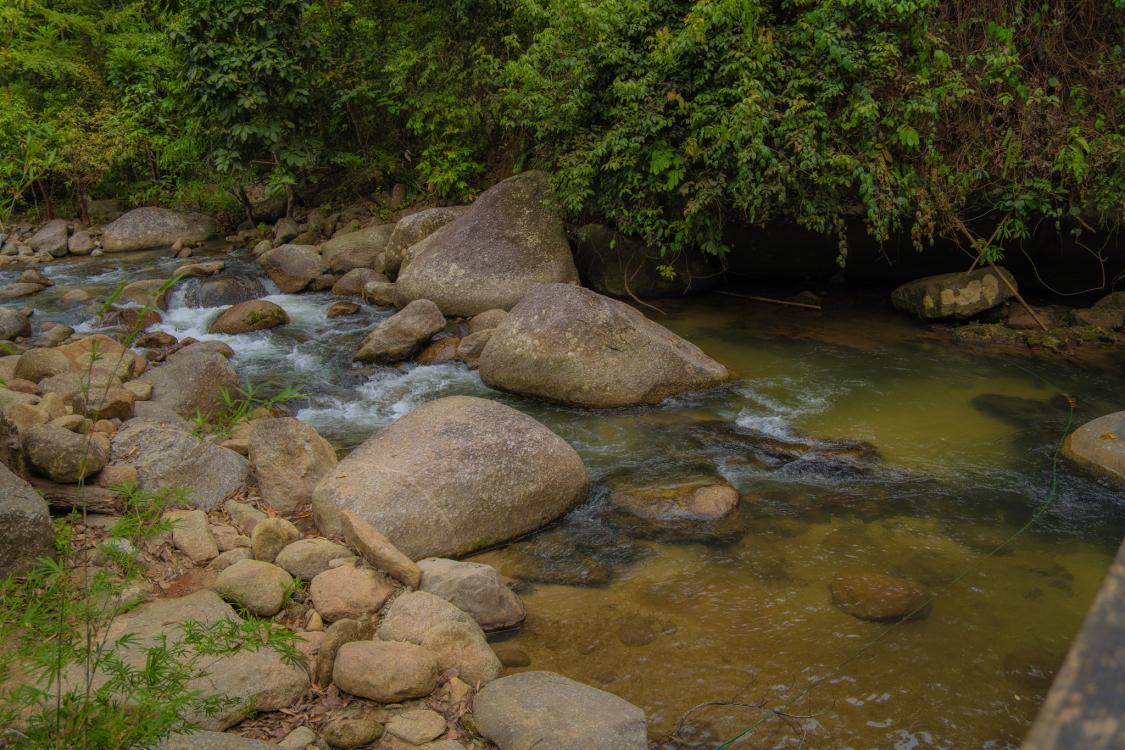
507,242
544,709
954,295
147,227
576,347
1099,445
874,596
455,475
691,500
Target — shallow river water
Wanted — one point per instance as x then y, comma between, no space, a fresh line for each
955,456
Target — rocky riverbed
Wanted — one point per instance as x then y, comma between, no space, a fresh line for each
460,393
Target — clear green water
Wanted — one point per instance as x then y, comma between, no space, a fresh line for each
674,615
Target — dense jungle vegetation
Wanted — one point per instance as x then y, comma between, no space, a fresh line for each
669,119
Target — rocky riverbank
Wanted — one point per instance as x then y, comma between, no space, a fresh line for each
354,554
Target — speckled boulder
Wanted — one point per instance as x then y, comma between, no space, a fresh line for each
956,296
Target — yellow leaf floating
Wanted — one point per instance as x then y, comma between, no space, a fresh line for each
1107,436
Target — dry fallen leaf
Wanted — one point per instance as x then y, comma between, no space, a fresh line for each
1107,436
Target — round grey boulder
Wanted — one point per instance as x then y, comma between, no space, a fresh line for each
152,226
455,475
576,347
506,243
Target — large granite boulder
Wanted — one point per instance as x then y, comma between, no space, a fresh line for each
51,238
166,455
621,266
293,267
546,710
223,291
455,475
358,249
474,588
151,226
192,381
28,533
574,346
1099,445
400,336
415,228
958,296
507,242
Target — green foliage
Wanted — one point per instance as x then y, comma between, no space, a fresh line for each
681,121
247,68
237,410
67,684
672,118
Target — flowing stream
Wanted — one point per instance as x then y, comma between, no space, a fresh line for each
954,455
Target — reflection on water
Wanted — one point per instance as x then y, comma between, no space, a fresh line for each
857,440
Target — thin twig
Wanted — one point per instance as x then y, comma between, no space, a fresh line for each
772,301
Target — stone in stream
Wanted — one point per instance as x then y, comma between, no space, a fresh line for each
385,672
546,710
192,382
80,243
353,282
168,455
252,315
703,501
357,249
439,352
474,588
412,229
1099,445
293,267
400,336
28,532
342,309
18,289
289,459
259,679
381,293
954,295
576,347
455,475
51,238
223,291
508,241
143,228
868,595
